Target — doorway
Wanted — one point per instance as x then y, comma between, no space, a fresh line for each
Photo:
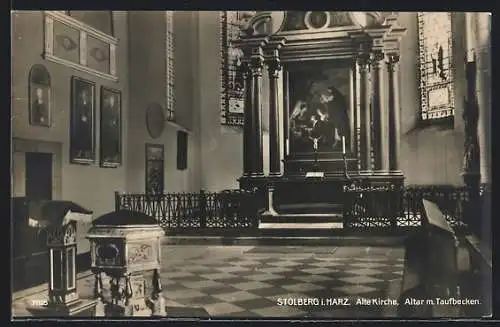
38,176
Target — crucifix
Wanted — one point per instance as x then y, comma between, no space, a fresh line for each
315,149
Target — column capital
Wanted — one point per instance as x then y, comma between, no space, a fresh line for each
256,64
363,59
392,61
274,67
272,57
376,58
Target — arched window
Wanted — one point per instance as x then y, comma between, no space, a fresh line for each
436,66
232,84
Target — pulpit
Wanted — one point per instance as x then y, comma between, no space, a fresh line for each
59,219
338,120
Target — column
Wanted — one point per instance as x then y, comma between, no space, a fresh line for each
257,63
380,150
248,129
483,83
365,122
286,108
394,124
274,137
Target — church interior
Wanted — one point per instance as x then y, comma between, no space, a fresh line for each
341,128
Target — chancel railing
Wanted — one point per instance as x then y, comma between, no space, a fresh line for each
394,207
364,207
230,209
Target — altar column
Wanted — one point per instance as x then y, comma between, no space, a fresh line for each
483,84
394,123
248,126
256,66
274,68
365,121
381,151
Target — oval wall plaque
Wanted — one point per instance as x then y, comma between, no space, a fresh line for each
155,120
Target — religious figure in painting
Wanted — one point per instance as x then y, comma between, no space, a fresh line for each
319,121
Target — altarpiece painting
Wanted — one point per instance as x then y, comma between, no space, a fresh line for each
319,108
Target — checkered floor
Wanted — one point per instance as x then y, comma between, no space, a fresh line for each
251,282
255,284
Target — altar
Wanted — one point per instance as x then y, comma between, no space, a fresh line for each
338,119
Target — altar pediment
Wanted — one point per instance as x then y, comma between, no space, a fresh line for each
311,35
265,23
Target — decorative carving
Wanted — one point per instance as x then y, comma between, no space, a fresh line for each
392,61
66,43
256,65
317,20
364,60
274,67
138,253
55,236
263,23
70,234
376,59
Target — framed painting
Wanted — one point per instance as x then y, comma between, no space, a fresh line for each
39,97
111,128
155,168
182,150
320,109
82,127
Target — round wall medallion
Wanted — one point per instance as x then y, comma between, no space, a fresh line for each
316,20
155,120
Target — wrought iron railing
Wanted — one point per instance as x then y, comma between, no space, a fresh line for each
364,207
231,209
393,206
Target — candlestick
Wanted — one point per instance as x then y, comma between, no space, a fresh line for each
343,144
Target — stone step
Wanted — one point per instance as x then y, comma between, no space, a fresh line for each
293,225
335,237
306,219
309,208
